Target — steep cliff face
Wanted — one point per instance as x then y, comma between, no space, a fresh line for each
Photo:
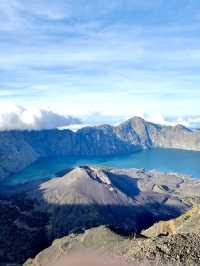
177,137
135,131
102,141
138,131
20,148
51,142
15,153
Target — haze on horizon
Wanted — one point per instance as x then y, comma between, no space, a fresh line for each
115,58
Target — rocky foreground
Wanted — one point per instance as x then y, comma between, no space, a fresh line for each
180,247
127,201
18,149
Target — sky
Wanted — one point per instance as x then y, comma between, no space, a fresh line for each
116,58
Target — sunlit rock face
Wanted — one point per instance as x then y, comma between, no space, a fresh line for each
186,223
15,153
139,131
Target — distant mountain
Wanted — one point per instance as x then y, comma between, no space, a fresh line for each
138,131
18,149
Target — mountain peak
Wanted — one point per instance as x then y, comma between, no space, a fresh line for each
135,119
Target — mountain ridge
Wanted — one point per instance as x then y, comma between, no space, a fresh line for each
19,149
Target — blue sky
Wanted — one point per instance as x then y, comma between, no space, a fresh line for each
116,57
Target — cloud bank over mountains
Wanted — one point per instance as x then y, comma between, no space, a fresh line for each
192,122
18,117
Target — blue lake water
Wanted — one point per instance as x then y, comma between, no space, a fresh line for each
166,160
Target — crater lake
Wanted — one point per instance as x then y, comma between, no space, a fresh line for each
164,160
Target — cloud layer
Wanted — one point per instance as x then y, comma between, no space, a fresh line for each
17,117
192,122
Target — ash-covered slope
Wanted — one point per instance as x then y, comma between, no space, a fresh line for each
86,197
126,200
20,148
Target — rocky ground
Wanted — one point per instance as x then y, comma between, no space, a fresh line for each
173,249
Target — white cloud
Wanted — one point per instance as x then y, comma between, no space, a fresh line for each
187,121
158,119
98,118
74,127
17,117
